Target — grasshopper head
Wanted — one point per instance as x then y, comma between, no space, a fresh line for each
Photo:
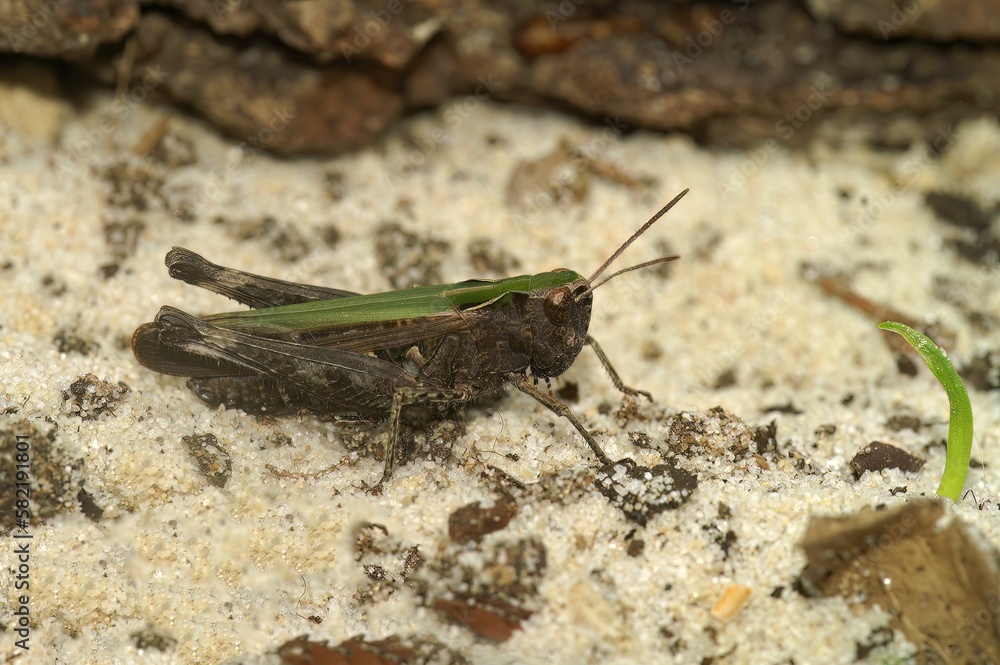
559,317
559,304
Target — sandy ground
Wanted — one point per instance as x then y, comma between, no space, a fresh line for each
178,569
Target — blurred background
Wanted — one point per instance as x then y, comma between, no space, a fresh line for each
340,73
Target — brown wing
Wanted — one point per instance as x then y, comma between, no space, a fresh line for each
324,380
371,337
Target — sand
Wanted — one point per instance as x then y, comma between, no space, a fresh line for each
225,573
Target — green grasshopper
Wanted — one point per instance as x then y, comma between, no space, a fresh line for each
368,357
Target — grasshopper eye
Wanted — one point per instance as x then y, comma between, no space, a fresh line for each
559,306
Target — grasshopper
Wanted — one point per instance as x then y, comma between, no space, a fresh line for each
368,357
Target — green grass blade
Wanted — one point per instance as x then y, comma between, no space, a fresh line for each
956,465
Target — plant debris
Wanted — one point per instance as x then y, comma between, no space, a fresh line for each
492,592
407,259
214,461
472,522
958,210
934,578
878,455
387,562
393,650
68,342
978,243
57,479
733,598
642,492
91,397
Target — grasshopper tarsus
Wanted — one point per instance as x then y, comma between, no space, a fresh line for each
638,393
374,490
609,368
562,410
404,397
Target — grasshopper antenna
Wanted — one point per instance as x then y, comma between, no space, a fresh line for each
662,259
638,233
628,242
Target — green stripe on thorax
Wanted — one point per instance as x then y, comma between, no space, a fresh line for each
417,302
